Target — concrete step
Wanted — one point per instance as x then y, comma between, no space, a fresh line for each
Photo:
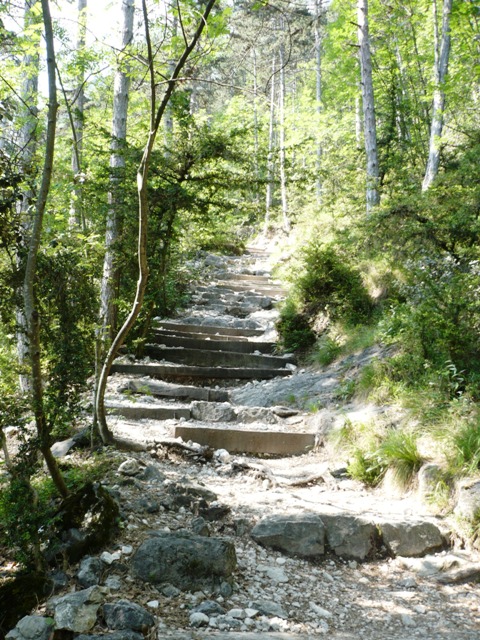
160,337
194,335
208,358
182,372
141,411
177,391
247,440
209,329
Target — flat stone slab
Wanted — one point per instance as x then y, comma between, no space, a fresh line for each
248,441
139,411
183,392
209,329
207,373
264,635
207,358
191,342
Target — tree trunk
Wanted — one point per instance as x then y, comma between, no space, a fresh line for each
156,116
369,122
442,53
76,208
27,143
271,139
318,91
281,110
31,310
255,125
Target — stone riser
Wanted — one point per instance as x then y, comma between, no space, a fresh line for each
210,329
207,358
213,345
182,372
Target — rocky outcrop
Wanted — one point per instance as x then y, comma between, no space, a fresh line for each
188,562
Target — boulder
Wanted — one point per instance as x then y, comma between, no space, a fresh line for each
127,615
77,611
467,500
191,497
123,634
411,539
90,572
212,411
20,595
429,476
32,628
350,536
297,534
186,561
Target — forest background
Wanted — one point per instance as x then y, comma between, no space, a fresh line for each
348,130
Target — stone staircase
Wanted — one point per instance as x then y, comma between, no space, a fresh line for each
192,363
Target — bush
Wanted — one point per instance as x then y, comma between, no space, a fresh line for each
294,328
329,285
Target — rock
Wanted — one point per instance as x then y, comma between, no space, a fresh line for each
127,615
467,500
212,411
302,535
276,574
222,456
129,467
200,527
199,619
32,628
247,415
114,583
86,522
191,497
169,591
90,572
350,536
268,608
59,580
187,561
320,611
429,476
411,539
109,558
152,472
124,634
77,611
213,512
209,608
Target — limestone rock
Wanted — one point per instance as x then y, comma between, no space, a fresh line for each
429,476
268,608
32,628
127,615
301,535
90,572
212,411
467,500
411,539
350,536
129,467
77,611
187,561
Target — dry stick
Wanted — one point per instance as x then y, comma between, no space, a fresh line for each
142,176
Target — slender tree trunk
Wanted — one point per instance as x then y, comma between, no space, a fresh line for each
27,143
282,156
156,116
318,91
76,209
271,140
255,125
369,122
31,310
442,54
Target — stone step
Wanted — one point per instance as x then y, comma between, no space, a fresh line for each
160,337
247,440
247,277
194,335
141,411
266,290
182,372
208,358
177,391
209,329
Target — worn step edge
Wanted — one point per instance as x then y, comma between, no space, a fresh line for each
211,358
244,346
247,440
140,411
209,329
168,390
210,373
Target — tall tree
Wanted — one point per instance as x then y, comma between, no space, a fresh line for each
78,105
156,115
282,151
369,120
32,314
271,144
442,55
318,87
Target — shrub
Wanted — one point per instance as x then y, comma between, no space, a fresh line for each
399,452
294,328
331,286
